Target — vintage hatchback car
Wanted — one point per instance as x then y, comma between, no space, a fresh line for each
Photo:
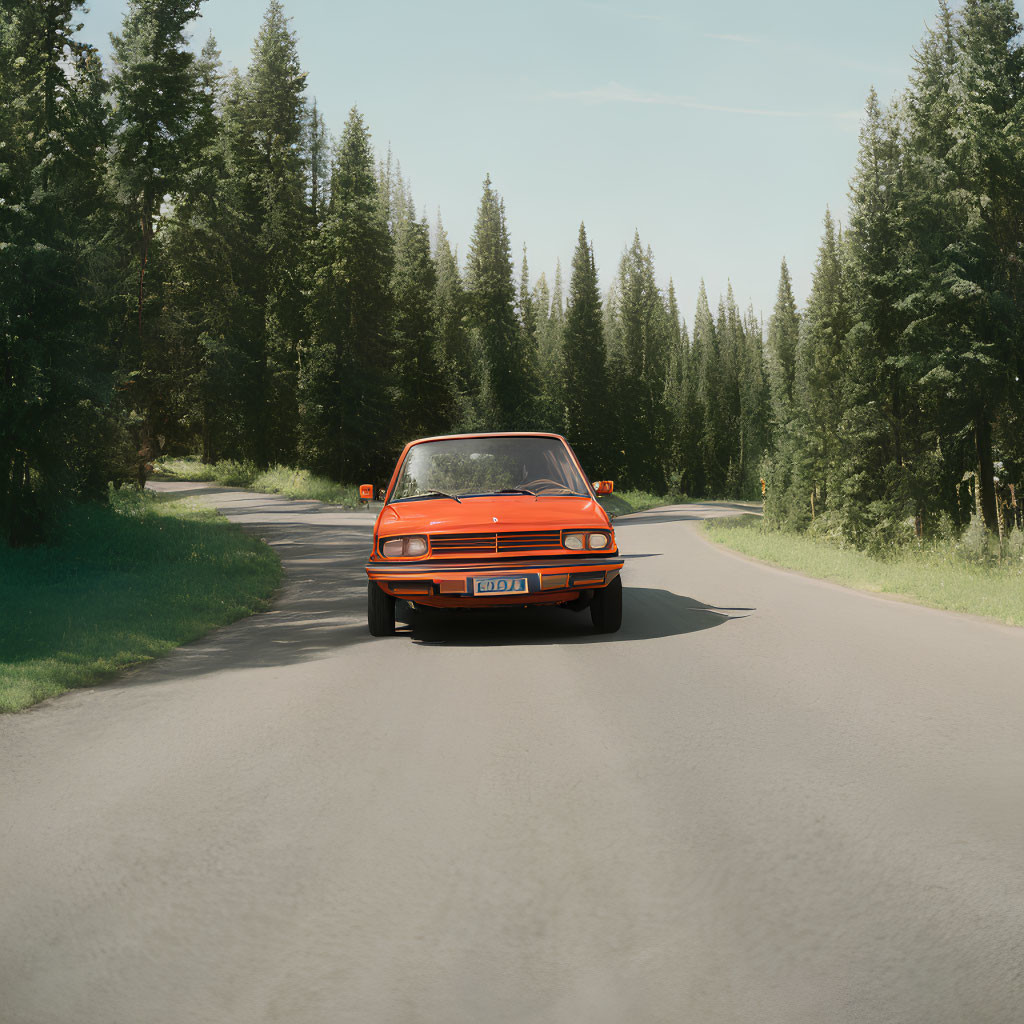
489,520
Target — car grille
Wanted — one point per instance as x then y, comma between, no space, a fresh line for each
495,543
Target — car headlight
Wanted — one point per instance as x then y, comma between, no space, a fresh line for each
403,547
574,541
598,540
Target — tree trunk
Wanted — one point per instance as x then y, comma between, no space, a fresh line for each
986,473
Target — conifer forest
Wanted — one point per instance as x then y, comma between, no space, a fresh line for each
192,263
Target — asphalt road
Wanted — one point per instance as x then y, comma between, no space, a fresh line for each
767,799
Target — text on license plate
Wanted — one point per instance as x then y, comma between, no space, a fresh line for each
500,585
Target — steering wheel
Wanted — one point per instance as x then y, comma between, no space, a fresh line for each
534,485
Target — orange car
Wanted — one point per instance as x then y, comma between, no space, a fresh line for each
488,520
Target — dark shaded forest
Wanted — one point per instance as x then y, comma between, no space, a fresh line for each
190,263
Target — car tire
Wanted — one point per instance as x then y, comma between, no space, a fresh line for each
380,611
606,608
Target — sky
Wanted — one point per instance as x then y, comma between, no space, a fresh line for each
719,132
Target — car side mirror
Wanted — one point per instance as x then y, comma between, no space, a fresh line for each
604,486
366,492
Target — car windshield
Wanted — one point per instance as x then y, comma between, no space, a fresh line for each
476,466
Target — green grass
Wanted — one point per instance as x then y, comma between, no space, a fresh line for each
623,503
292,483
124,584
951,575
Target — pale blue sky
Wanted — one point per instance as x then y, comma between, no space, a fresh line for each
719,131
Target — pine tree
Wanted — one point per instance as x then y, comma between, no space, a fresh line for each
56,435
203,365
457,355
884,445
639,366
347,398
678,360
729,332
687,423
266,125
707,365
783,332
527,316
550,343
423,396
511,383
978,341
755,416
162,120
821,372
585,385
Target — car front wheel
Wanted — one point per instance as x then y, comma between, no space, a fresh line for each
380,611
606,608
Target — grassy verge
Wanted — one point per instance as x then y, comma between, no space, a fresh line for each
623,503
292,483
124,584
940,575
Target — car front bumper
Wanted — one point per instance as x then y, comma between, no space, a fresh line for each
450,583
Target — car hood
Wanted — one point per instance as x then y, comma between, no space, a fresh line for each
491,515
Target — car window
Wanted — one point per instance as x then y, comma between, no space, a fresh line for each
485,465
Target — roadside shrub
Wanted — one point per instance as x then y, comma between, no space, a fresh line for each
1014,546
228,472
185,469
235,474
943,530
976,544
300,483
129,501
829,527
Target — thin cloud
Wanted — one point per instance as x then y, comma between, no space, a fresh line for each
615,93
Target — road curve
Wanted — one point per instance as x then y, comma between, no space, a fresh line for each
766,799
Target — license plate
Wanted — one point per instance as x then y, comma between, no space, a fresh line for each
497,586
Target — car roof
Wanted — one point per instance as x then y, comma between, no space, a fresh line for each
496,433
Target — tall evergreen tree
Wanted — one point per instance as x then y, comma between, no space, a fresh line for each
510,362
639,365
974,171
687,423
821,371
585,385
754,418
55,432
527,320
783,333
729,332
424,400
266,123
457,354
707,366
162,121
347,397
550,356
204,363
884,445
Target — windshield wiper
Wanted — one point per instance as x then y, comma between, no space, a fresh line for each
515,490
427,494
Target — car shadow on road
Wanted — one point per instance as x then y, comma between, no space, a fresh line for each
648,614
